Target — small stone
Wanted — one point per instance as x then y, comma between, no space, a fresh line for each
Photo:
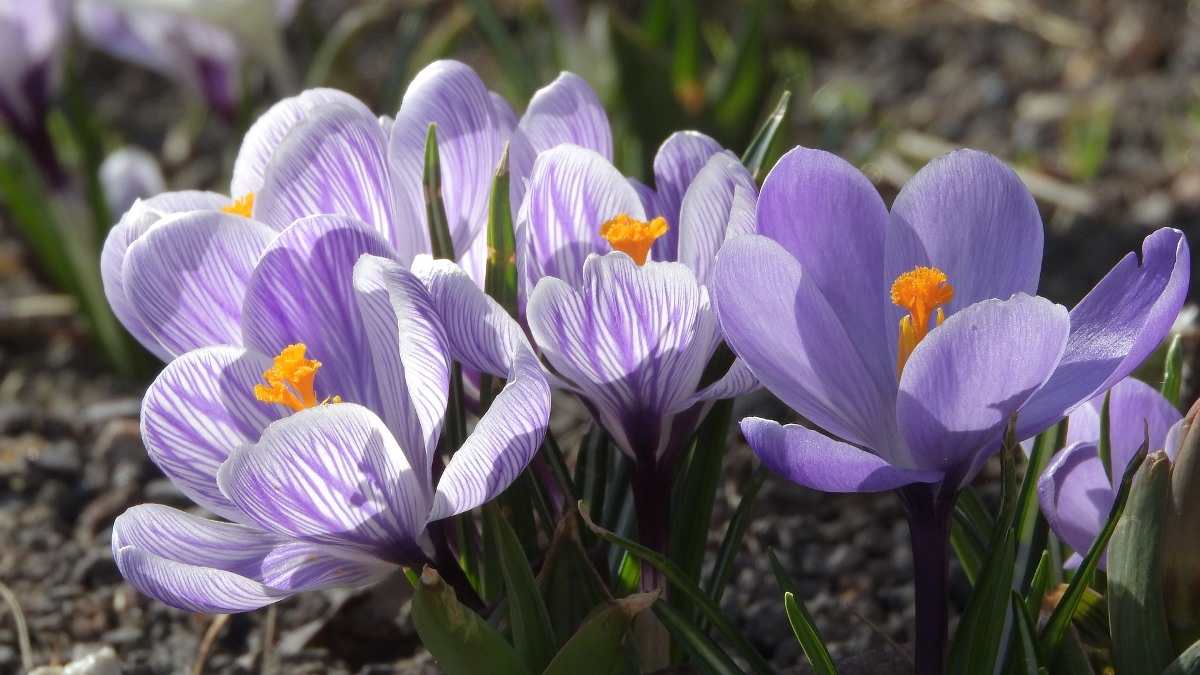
100,662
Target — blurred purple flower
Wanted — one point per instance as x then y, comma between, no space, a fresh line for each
32,43
1075,491
127,175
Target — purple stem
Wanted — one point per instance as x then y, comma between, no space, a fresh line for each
929,517
652,502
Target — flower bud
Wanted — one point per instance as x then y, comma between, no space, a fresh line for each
1179,546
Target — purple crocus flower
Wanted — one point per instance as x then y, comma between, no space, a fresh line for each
316,440
912,338
127,175
32,42
1075,491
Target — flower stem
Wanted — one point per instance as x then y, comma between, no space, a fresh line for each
929,517
652,502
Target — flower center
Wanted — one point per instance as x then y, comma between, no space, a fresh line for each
922,291
290,380
633,237
242,206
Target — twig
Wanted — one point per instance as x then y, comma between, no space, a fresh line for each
210,638
900,649
22,630
265,664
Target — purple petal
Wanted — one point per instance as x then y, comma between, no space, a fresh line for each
572,192
721,197
409,355
1115,328
1076,496
501,445
567,111
470,141
303,291
831,219
965,380
736,381
1135,408
816,461
140,218
332,474
634,341
778,321
676,164
32,36
970,216
187,277
197,411
271,128
193,588
335,162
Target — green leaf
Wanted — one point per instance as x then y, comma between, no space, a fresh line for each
1056,627
1025,655
642,70
682,584
435,210
967,548
597,647
1038,586
802,623
1104,447
461,641
1173,370
696,490
1091,618
704,651
1029,525
1188,662
591,472
741,77
718,579
756,153
533,635
1138,622
517,66
501,277
569,583
977,641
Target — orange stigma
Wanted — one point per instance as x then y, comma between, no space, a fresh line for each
242,206
922,291
632,236
290,380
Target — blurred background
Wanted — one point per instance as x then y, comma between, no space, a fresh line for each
1096,103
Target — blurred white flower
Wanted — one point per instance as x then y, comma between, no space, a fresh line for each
127,175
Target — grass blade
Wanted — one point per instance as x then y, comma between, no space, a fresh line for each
533,636
802,622
1173,370
732,542
693,640
760,146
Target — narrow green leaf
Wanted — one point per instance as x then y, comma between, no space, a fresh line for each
570,584
597,647
1138,622
533,635
591,472
1056,627
741,77
756,153
967,548
642,70
802,622
703,650
1173,370
1038,586
461,641
1029,525
435,210
976,643
553,456
731,543
1025,657
1188,662
501,278
1104,447
685,65
697,492
682,584
517,66
345,32
1091,619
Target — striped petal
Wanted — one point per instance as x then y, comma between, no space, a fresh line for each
633,341
199,408
303,291
268,132
736,381
679,159
193,588
719,203
335,162
470,141
409,354
333,474
187,277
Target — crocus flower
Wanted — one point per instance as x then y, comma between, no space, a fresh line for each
32,37
1075,491
127,175
203,56
316,439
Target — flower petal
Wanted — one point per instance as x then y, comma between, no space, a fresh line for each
335,162
409,354
470,141
187,277
1135,409
303,291
1115,328
721,197
198,409
192,540
572,192
1076,496
736,381
332,474
816,461
967,378
830,218
127,175
776,319
190,587
676,164
268,132
141,217
634,341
